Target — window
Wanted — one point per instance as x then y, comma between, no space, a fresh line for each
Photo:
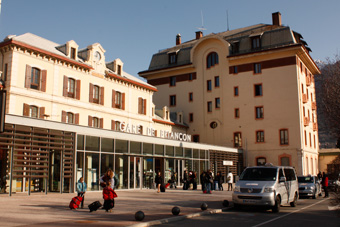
217,81
259,112
119,71
196,138
212,59
209,107
258,89
142,106
172,100
34,111
260,136
95,122
235,70
69,117
237,139
4,77
71,88
235,47
235,91
73,53
261,161
115,125
191,77
35,78
256,42
257,68
209,88
310,139
172,58
237,113
285,161
172,81
95,94
191,97
305,138
284,137
191,117
118,100
217,103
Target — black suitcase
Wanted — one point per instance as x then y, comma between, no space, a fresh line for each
95,206
162,188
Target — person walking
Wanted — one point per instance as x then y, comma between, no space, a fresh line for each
230,180
108,196
203,179
185,180
220,179
173,180
109,176
210,181
325,184
81,189
158,181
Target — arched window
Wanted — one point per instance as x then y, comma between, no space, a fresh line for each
212,59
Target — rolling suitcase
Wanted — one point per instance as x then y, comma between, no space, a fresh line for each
162,188
94,206
75,202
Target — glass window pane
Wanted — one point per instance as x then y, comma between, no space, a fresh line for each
107,145
188,153
147,148
121,170
195,153
159,149
169,151
202,154
80,142
92,171
179,151
121,146
79,165
135,147
106,163
92,143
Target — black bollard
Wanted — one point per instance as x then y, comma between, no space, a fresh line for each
204,206
225,203
175,210
139,215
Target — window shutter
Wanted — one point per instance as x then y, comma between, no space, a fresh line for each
91,93
101,96
41,112
90,121
26,110
28,76
76,120
43,80
123,101
155,133
63,116
113,124
144,110
78,89
140,103
101,123
65,86
113,98
231,69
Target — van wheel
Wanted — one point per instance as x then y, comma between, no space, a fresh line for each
276,207
294,202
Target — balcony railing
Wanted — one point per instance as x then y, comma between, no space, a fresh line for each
304,98
313,105
315,126
305,121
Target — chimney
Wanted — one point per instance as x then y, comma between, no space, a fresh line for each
277,18
178,39
199,34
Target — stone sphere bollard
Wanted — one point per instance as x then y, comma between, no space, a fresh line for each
175,210
139,215
225,203
204,206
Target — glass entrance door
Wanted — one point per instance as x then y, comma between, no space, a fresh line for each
148,173
55,163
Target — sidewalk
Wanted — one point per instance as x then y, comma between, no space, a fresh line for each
52,209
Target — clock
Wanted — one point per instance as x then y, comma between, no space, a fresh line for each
97,56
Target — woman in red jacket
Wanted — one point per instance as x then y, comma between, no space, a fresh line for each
108,196
325,183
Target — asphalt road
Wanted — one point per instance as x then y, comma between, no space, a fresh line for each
308,212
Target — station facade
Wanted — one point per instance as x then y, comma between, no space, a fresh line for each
70,113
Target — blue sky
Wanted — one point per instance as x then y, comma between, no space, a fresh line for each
134,30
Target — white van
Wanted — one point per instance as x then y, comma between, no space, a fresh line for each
269,186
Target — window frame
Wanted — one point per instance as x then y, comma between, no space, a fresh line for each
209,107
239,144
35,78
191,117
209,86
191,96
217,103
259,115
217,81
96,94
259,136
257,68
236,91
285,140
256,42
31,109
237,113
172,100
172,81
256,90
71,90
212,60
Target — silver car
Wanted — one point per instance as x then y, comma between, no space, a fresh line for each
309,186
268,186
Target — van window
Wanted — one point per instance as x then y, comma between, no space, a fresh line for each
280,173
290,174
259,174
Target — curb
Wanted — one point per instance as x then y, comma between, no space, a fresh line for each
179,218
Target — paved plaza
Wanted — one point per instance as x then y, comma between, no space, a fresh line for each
52,209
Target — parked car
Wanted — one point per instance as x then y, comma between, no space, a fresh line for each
309,186
269,186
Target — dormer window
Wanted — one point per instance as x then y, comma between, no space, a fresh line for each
119,70
172,58
256,42
73,53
